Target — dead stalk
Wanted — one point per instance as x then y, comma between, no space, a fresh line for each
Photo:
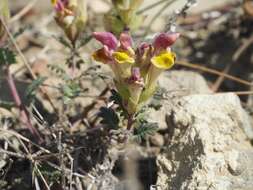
23,11
215,72
42,177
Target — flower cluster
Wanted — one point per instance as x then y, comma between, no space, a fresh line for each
71,16
123,15
136,70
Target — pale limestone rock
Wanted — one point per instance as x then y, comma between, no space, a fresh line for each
177,83
157,139
208,147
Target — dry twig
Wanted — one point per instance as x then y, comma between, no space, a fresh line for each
213,71
23,11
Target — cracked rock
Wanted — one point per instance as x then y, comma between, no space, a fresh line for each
208,147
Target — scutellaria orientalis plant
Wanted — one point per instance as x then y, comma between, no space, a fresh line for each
136,70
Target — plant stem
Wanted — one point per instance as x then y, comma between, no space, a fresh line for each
23,111
73,61
130,121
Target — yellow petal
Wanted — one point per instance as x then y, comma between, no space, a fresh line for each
53,2
122,57
164,60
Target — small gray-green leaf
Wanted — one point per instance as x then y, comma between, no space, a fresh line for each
7,56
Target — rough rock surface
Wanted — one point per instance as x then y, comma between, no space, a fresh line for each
177,83
184,82
208,148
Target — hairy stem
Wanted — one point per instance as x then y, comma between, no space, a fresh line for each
130,121
73,60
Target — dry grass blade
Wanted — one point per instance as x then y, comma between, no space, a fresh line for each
25,10
243,93
17,135
235,58
42,177
213,71
151,6
159,12
242,48
221,78
14,154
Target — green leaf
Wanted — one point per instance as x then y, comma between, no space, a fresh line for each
58,70
6,104
83,41
144,130
116,98
63,41
7,56
33,87
71,91
109,117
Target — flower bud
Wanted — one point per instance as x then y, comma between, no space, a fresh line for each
135,88
71,16
125,40
107,39
165,40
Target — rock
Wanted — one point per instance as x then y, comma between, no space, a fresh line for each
177,83
208,148
157,140
184,82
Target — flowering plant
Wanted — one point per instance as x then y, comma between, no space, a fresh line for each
135,70
71,16
123,15
127,9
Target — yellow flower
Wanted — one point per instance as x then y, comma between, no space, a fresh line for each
122,57
125,62
164,60
53,2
